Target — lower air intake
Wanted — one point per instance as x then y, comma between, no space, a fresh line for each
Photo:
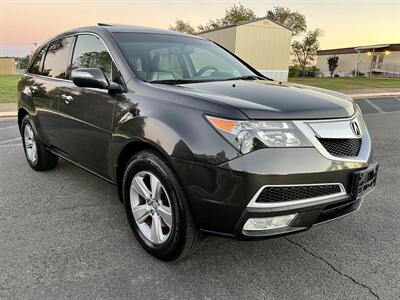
290,193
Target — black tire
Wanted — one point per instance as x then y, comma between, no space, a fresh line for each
45,159
185,237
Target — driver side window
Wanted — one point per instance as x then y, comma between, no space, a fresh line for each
90,52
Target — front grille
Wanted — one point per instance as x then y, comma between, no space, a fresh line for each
290,193
342,147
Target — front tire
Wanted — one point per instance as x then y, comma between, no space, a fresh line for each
157,209
38,157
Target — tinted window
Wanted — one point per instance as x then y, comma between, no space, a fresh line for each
90,52
56,61
36,66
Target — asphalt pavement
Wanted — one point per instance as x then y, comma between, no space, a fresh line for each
63,234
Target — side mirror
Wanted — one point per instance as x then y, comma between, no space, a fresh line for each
89,77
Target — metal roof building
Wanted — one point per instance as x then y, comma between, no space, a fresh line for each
263,43
371,60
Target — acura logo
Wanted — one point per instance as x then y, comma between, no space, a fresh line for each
355,128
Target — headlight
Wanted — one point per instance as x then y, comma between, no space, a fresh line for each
249,135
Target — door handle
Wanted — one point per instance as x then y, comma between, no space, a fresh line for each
67,98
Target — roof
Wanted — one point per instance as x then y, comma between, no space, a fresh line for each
246,22
372,47
137,29
101,27
349,50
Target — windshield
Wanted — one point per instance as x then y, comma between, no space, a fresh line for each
170,58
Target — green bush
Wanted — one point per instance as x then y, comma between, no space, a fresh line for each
294,71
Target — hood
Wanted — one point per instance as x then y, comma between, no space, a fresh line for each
264,99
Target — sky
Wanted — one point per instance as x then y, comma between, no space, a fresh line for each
345,23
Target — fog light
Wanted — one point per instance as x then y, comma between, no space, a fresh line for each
253,224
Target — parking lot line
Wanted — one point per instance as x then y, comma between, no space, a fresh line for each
10,145
374,105
9,127
10,140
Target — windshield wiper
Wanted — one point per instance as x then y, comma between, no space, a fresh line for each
248,77
175,81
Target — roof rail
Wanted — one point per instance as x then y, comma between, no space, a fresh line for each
103,24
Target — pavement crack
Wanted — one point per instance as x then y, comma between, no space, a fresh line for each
334,268
51,211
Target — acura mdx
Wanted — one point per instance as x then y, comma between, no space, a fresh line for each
196,140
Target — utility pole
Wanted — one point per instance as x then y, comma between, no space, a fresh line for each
372,60
358,63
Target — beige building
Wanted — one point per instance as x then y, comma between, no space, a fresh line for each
8,65
373,60
262,43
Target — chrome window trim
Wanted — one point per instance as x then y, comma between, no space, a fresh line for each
75,35
254,204
47,77
365,150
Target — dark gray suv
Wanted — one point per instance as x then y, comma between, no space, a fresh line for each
196,141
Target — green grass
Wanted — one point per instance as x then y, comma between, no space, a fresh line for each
8,88
336,83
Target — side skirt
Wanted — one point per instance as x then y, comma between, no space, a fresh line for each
55,152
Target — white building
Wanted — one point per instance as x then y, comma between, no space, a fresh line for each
374,60
262,43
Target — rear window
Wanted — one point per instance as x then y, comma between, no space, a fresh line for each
37,64
56,61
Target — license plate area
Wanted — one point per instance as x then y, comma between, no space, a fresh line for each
365,180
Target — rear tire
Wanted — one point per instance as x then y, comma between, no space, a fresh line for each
179,236
38,157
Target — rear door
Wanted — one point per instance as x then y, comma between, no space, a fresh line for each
48,77
87,113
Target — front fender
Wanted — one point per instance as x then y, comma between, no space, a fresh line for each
178,132
185,143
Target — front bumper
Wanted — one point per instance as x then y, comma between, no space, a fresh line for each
306,217
220,195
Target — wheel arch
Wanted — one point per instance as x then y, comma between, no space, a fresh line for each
131,148
22,112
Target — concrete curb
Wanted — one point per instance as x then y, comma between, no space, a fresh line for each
372,95
8,114
8,110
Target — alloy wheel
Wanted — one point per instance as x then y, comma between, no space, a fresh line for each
151,207
30,144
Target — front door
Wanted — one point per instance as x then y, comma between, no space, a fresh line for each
87,113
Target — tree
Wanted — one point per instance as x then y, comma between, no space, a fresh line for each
292,19
23,62
233,15
304,51
333,62
182,26
236,14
